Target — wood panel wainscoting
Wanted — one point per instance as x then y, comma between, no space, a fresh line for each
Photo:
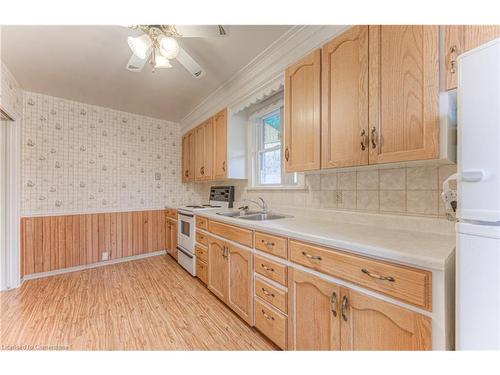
50,243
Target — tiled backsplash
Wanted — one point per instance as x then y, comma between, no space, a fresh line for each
84,158
399,190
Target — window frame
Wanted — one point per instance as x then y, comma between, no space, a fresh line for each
256,148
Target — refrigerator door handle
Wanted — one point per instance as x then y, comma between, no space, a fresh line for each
473,175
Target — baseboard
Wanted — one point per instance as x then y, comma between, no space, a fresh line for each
92,265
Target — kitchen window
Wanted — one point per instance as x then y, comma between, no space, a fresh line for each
267,168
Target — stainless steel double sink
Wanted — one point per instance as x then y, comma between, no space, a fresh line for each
253,215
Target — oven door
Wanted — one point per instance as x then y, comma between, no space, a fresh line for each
185,231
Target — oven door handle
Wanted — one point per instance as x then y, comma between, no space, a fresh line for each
184,252
187,215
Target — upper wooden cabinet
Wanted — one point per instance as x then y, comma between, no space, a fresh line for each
344,129
460,39
404,93
368,323
204,150
220,144
302,134
185,157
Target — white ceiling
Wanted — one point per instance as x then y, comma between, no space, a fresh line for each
87,64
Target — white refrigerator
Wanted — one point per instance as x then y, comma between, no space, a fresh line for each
478,209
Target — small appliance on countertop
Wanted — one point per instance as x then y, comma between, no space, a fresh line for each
220,197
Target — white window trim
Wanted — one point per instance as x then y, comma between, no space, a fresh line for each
253,132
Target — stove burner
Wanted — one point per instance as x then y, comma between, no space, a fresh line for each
211,205
194,206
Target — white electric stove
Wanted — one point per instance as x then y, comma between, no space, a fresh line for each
220,197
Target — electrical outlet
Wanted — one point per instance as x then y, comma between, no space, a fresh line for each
157,176
105,255
338,197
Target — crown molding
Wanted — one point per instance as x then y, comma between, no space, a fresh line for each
266,67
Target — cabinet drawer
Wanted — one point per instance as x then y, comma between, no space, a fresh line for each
201,222
271,294
271,244
201,253
271,323
201,238
202,271
405,283
171,213
236,234
270,269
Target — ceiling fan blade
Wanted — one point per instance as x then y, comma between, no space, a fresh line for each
136,64
203,31
190,64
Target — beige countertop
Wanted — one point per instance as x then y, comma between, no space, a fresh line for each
377,236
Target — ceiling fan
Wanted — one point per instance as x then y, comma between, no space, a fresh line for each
159,44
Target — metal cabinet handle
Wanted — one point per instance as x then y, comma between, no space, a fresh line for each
186,174
267,243
378,277
362,136
345,302
373,134
335,303
268,317
312,257
224,252
267,293
223,166
287,154
453,59
202,170
267,268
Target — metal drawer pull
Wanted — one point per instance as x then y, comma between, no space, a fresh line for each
379,277
267,293
267,268
334,304
312,257
267,243
268,317
345,301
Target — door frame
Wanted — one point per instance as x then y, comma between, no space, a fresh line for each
10,264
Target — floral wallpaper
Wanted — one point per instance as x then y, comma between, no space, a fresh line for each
79,158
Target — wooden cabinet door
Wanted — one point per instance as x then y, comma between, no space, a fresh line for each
220,144
209,150
344,121
461,38
404,93
185,158
368,323
313,305
168,235
217,267
240,285
171,237
302,114
199,141
192,156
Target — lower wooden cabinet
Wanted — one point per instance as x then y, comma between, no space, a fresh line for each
271,323
348,320
230,270
368,323
171,237
313,312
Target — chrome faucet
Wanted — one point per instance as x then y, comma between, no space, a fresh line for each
262,204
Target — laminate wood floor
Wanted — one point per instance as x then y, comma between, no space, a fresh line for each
147,304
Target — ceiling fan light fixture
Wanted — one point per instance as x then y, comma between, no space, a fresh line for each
161,61
169,47
140,45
